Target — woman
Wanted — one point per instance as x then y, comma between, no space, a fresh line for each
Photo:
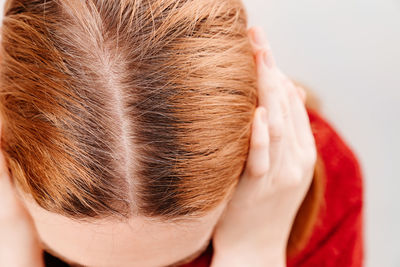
157,133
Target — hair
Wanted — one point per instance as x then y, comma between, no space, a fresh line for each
130,107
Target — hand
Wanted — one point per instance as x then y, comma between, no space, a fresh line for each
257,221
19,244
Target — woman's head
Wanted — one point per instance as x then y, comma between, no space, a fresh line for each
126,114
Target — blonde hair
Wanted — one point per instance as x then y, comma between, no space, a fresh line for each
116,108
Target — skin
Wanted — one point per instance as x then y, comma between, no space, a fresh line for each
258,219
113,243
251,230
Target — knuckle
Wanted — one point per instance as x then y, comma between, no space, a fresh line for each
276,136
259,143
296,181
292,179
292,182
276,130
311,157
308,156
254,172
296,176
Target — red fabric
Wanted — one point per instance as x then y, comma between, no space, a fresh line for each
337,238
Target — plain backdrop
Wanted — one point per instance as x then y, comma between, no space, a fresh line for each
347,51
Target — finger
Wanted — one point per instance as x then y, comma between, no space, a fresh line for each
266,83
19,244
301,121
302,93
292,85
257,165
273,91
252,42
269,77
288,91
6,187
254,177
10,209
10,206
301,89
277,127
259,42
269,84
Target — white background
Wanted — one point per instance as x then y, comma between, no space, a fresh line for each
348,52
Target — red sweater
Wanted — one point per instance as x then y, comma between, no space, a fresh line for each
337,238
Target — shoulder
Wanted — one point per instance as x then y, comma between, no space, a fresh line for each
337,238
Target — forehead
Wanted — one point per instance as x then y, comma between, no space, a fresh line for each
113,243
